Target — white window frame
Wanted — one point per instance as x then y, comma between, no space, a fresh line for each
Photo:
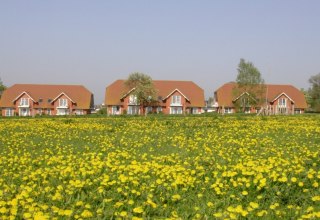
133,100
62,103
176,100
149,109
24,102
115,110
79,112
39,111
133,110
49,112
9,112
297,111
21,111
159,109
177,110
247,110
282,102
227,110
195,111
63,111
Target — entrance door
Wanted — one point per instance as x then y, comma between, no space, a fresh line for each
24,112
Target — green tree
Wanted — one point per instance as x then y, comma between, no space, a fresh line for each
143,88
250,89
306,96
314,92
2,87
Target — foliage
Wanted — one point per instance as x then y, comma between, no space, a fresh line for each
143,88
314,92
102,111
250,86
229,167
210,101
2,87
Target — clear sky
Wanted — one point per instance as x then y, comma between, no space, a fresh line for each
96,42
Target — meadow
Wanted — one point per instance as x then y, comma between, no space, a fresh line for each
214,167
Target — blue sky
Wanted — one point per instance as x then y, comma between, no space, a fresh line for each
96,42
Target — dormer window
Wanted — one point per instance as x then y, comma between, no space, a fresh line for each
63,103
24,102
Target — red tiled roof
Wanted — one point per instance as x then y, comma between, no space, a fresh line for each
78,93
224,94
189,89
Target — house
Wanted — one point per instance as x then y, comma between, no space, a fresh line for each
36,99
278,99
173,97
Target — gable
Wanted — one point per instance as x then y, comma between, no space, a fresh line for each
62,95
176,91
244,94
281,95
23,94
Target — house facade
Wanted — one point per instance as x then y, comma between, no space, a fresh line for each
173,97
279,99
37,99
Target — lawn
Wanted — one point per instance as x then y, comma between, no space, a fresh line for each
214,167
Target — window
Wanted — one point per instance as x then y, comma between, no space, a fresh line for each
133,100
24,102
194,110
245,102
115,110
228,110
63,103
297,111
9,112
282,102
63,111
176,110
133,110
149,109
176,100
159,109
49,111
24,112
39,111
79,112
40,100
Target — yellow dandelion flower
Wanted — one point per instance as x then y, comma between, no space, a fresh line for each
176,197
86,214
3,210
138,210
254,205
123,214
244,193
293,179
209,204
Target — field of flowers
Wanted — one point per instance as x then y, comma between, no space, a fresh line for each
231,167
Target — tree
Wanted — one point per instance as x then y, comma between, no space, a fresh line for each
2,87
306,96
250,89
142,88
314,92
210,101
